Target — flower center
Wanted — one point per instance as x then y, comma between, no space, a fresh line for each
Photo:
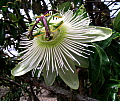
53,31
57,36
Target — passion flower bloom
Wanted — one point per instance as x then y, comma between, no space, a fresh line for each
64,47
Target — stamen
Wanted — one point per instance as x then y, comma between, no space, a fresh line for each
57,28
40,35
42,15
50,30
58,16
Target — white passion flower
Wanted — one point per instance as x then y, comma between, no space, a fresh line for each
59,44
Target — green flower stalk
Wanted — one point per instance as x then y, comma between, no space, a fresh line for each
66,47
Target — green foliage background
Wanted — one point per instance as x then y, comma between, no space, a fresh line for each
100,81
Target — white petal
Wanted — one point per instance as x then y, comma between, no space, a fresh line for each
68,54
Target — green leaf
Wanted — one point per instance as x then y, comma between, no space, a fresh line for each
109,90
69,77
114,50
4,8
103,55
3,3
81,11
10,5
105,62
104,70
113,97
111,86
13,31
95,63
2,32
13,17
65,6
78,1
116,24
113,83
115,69
97,86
